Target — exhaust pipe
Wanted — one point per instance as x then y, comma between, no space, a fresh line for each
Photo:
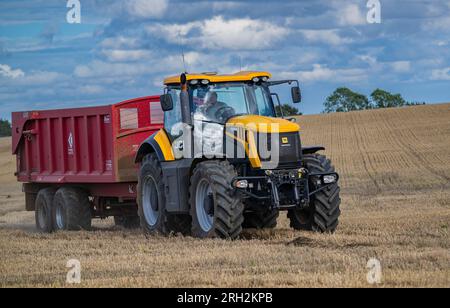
184,99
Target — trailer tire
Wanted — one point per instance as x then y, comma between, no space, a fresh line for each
72,210
323,213
43,210
216,209
151,197
261,219
127,222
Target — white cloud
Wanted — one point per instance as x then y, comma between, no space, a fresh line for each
103,69
92,89
17,77
350,15
441,43
218,33
437,24
225,5
401,66
323,73
441,74
41,78
147,8
377,67
119,42
330,37
7,71
371,60
120,55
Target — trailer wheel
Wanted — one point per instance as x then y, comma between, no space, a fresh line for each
261,220
71,210
216,210
323,212
151,197
127,222
43,210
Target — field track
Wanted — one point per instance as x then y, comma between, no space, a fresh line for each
395,170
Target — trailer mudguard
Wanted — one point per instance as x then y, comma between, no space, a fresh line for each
158,143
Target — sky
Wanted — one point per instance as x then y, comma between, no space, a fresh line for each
124,48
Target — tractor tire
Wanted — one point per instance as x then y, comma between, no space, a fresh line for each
43,210
261,220
72,210
151,197
127,222
323,212
217,210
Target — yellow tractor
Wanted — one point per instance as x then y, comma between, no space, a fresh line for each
227,159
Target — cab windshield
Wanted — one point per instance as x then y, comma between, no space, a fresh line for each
220,102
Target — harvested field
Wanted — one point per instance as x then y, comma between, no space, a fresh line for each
395,170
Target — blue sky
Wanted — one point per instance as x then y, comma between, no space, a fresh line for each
124,48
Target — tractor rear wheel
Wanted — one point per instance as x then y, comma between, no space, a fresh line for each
43,210
71,210
323,212
261,220
216,209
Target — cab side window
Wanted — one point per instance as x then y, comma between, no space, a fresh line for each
173,119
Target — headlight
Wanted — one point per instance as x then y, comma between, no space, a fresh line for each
329,179
205,82
194,82
265,79
255,80
243,184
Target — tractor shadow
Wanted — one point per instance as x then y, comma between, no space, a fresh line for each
290,238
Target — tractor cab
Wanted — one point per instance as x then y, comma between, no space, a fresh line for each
218,98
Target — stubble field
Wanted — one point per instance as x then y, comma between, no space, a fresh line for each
395,178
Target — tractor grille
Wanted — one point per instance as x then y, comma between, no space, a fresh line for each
289,149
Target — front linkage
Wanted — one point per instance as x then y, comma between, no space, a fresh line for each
286,189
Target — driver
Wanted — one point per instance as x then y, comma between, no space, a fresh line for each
212,106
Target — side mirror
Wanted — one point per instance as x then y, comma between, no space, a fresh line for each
166,102
296,95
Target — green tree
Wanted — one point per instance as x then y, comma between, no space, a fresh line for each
288,110
345,100
384,99
5,128
415,103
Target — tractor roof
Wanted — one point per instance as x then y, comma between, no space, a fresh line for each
214,77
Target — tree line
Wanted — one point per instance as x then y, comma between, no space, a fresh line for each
5,128
346,100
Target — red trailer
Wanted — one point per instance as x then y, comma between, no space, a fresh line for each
80,162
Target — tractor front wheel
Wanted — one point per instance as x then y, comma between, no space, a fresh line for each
216,209
323,212
261,220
